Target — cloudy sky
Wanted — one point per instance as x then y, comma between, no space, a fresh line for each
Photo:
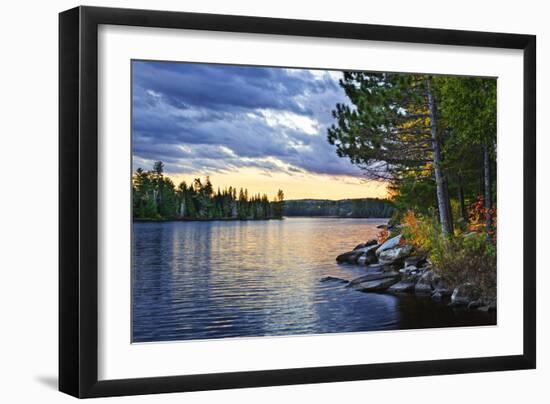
255,127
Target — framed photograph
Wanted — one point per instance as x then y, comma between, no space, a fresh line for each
251,201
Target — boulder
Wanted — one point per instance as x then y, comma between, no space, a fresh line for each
371,259
350,257
373,277
474,304
412,277
441,293
395,254
464,294
375,282
409,269
376,286
417,261
389,243
437,296
439,284
402,286
424,284
371,242
376,268
437,281
367,259
362,254
333,279
371,247
367,249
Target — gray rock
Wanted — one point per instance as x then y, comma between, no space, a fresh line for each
474,304
408,269
375,268
438,282
464,294
373,277
350,257
377,285
371,242
355,256
390,243
412,277
422,289
333,279
371,247
416,261
443,292
394,255
402,286
424,284
371,259
437,296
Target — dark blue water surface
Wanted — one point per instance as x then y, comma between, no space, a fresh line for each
218,279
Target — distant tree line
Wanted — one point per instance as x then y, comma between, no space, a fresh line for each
155,197
361,207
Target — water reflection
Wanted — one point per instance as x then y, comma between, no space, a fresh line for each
196,280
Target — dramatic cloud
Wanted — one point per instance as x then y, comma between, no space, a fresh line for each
219,118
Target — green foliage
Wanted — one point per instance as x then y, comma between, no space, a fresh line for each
433,139
155,197
468,112
413,193
386,130
364,207
466,257
468,105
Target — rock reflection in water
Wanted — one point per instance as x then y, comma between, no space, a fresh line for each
219,279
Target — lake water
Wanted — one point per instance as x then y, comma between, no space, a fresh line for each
219,279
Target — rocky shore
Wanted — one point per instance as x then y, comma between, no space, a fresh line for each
390,267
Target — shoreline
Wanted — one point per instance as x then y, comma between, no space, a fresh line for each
145,220
391,268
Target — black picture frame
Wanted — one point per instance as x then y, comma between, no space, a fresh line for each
78,201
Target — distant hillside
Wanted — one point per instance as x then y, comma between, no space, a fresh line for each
364,207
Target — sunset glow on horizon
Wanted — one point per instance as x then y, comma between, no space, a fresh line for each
259,128
306,186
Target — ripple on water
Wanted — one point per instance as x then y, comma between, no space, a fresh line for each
220,279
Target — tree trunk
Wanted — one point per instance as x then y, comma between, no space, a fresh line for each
462,205
441,189
487,187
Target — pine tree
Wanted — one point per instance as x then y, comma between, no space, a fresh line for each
392,131
154,196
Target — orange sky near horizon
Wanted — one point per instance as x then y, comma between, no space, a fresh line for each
295,186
